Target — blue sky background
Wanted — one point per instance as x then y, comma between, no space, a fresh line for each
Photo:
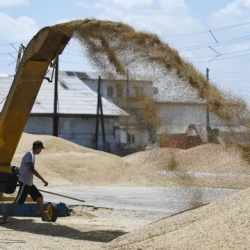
184,24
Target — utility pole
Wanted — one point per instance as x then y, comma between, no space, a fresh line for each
55,115
127,103
102,117
100,110
97,114
207,107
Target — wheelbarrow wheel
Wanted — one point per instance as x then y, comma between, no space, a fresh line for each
51,211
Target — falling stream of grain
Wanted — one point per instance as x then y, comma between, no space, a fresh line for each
113,48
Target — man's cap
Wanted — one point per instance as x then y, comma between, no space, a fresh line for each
38,144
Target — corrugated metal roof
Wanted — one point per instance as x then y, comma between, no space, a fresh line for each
169,89
95,76
74,97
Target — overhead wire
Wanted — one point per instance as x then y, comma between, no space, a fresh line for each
72,62
3,99
203,46
228,53
207,31
7,53
227,58
6,44
234,72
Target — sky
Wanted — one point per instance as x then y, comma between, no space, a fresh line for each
212,34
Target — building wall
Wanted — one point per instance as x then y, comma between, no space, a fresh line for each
185,114
80,130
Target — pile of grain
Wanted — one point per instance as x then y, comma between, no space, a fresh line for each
66,163
224,224
210,165
209,158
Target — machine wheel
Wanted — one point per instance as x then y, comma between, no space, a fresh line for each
51,211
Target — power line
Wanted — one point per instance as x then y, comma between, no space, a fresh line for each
232,77
14,47
7,44
213,36
214,50
232,26
5,61
3,99
202,46
73,49
227,58
229,53
232,57
243,77
6,65
234,72
71,62
7,53
66,53
207,31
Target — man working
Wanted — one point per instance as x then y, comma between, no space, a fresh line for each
27,170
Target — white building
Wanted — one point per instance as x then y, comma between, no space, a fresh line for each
77,109
181,106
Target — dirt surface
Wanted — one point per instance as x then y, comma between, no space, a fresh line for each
81,231
220,225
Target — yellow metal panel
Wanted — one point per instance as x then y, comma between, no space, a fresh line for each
36,43
41,50
18,106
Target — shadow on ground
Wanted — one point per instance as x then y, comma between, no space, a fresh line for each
52,229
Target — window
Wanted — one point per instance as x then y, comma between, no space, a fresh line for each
131,138
110,91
